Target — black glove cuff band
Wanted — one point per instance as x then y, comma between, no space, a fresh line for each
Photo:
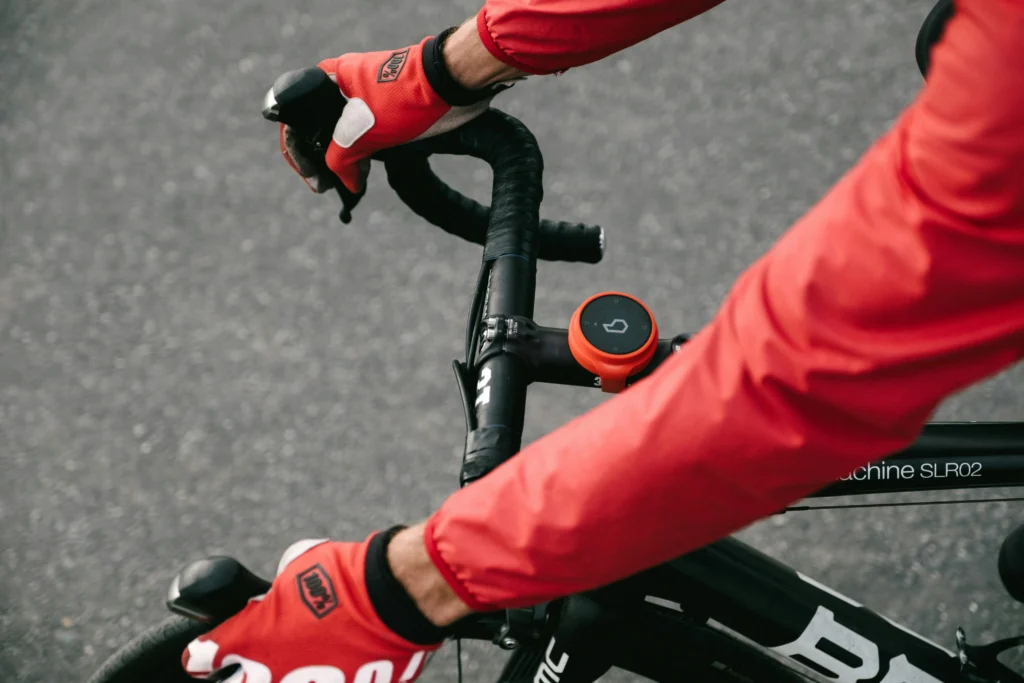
447,88
388,597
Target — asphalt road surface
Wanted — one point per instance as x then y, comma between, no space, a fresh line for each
195,357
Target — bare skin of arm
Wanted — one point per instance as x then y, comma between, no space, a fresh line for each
471,64
413,568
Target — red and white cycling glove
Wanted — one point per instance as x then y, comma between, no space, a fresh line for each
394,97
334,614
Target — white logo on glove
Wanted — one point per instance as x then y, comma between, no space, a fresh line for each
201,656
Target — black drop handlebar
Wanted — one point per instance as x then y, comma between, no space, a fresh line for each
512,224
308,101
510,230
429,197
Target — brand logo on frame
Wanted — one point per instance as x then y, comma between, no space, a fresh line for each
824,627
549,670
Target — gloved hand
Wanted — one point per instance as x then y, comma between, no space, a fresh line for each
393,97
334,613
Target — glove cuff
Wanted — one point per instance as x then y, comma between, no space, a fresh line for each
441,80
392,603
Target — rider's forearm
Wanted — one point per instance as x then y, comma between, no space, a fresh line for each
905,284
546,36
509,39
470,63
412,566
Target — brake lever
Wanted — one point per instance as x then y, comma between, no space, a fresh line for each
309,102
214,589
348,201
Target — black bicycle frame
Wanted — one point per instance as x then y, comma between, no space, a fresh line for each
727,612
945,456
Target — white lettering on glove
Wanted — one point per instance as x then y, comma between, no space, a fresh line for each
251,671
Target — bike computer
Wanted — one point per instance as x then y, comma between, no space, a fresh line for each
613,335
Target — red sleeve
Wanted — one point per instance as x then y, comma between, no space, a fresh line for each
544,36
903,285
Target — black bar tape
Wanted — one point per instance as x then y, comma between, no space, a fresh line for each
565,241
514,228
393,605
486,448
430,198
512,152
409,174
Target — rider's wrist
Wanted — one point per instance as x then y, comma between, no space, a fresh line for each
460,56
393,604
413,566
441,79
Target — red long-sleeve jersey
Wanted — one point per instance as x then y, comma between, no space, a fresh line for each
902,285
545,36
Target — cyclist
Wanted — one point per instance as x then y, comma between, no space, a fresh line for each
904,284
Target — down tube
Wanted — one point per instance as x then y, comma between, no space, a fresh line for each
741,591
945,456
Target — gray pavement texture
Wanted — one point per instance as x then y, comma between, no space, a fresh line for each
195,357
